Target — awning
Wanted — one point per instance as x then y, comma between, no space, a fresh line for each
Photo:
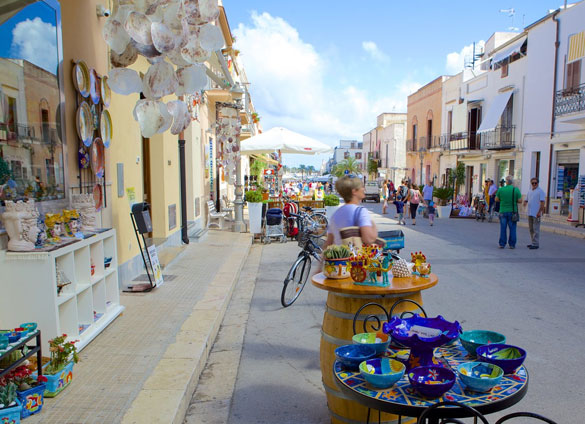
512,49
492,117
576,47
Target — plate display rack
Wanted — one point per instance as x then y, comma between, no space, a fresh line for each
83,308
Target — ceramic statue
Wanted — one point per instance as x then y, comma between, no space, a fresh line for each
85,206
53,223
20,220
71,221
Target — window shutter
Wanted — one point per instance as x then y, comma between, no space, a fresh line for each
576,73
569,80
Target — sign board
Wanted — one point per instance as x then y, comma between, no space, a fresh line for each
269,172
560,180
156,269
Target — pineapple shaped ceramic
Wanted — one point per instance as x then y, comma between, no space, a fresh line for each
400,269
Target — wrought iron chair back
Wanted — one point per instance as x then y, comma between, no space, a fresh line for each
525,415
387,315
431,413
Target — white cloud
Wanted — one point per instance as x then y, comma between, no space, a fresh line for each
35,41
456,61
374,51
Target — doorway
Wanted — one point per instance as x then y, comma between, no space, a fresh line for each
473,122
146,177
469,183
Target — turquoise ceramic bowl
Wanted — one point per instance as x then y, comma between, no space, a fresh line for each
473,339
480,376
378,341
382,373
29,326
3,342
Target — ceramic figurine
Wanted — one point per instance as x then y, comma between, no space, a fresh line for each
54,229
20,220
85,206
71,221
42,236
421,266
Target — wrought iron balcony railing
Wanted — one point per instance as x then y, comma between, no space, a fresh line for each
411,146
499,138
570,100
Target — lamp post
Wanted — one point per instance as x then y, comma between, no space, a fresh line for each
421,156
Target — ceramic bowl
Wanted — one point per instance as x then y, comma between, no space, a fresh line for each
30,326
473,339
22,331
507,357
480,376
3,342
431,381
351,356
336,269
382,373
13,337
378,341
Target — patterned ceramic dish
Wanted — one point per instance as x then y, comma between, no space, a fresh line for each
473,339
97,196
106,128
351,356
81,79
382,372
98,157
480,376
106,92
431,381
507,357
94,86
378,341
84,123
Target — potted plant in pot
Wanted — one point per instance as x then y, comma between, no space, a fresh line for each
29,390
331,204
10,407
336,262
59,371
254,199
443,194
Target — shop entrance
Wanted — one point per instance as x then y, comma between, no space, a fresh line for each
566,176
146,188
469,183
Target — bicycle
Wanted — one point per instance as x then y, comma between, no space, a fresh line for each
315,221
299,272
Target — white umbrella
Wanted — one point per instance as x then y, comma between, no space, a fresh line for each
286,141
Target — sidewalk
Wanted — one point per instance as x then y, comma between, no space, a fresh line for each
557,228
144,367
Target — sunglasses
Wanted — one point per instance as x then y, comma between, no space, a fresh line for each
534,182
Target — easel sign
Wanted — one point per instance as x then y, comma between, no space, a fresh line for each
155,266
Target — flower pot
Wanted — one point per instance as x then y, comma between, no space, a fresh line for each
57,382
444,211
31,400
11,415
255,216
336,269
330,210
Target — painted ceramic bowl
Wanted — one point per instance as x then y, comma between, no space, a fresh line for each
351,356
3,342
507,357
378,341
473,339
480,376
336,269
30,326
382,373
13,337
417,331
431,381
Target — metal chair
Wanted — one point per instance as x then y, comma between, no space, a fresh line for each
428,413
525,415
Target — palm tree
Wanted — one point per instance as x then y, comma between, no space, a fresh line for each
350,165
311,170
302,168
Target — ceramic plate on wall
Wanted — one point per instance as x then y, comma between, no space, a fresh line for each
98,157
81,78
97,196
105,91
106,128
84,123
94,89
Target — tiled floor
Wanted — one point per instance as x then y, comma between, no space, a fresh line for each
114,366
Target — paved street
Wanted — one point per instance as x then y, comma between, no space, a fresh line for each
534,297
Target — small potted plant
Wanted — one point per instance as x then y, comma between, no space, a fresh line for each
10,407
444,194
331,204
254,199
59,371
29,390
336,262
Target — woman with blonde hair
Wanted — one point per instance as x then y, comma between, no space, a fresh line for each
385,195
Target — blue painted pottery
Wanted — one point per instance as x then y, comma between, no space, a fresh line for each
382,372
432,381
507,357
378,341
480,376
351,356
473,339
29,326
13,337
3,341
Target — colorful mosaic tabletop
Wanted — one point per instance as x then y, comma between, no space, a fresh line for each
404,395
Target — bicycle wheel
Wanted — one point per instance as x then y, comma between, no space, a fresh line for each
320,223
295,280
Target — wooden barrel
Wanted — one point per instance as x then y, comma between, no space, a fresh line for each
337,330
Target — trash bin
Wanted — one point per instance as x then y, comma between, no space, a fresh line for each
141,213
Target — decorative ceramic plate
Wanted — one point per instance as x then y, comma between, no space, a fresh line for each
84,123
106,128
94,86
83,158
81,78
97,196
106,92
98,157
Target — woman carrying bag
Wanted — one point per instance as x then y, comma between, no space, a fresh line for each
414,198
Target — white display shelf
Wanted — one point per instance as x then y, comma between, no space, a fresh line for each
83,309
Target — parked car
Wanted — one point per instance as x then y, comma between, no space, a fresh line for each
372,191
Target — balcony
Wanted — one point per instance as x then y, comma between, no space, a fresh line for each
499,138
411,146
570,101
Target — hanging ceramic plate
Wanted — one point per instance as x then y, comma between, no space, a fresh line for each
106,91
97,196
84,123
98,157
106,128
94,89
81,78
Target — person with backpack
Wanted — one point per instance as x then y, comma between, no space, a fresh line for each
414,198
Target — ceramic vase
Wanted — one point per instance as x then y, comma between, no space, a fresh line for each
85,205
20,220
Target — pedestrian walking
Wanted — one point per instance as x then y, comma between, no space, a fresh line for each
399,203
385,196
509,197
496,201
427,193
492,189
414,201
535,199
431,211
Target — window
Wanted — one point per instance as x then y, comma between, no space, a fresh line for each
504,67
414,135
573,79
506,119
429,133
358,155
449,122
345,155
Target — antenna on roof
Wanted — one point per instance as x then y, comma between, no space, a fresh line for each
511,12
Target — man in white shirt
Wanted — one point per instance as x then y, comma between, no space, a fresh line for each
493,188
535,200
427,193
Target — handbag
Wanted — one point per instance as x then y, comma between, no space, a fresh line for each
515,214
351,236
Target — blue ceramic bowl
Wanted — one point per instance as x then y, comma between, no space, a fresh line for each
431,381
29,326
382,373
378,341
507,357
351,356
473,339
3,342
480,376
13,337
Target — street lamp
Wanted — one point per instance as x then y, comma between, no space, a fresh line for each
421,156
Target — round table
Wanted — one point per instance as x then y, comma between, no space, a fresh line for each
403,400
344,298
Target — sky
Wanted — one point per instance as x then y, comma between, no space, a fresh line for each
328,68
